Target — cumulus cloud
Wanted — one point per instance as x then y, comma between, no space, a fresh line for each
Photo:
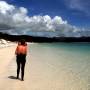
14,20
4,7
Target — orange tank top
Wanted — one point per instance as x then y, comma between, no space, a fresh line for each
21,49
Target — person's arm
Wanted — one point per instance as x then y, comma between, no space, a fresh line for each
16,50
26,50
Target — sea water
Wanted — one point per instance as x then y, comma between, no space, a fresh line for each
74,57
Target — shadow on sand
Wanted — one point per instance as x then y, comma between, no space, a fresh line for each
12,77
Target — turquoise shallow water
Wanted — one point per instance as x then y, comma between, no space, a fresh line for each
73,56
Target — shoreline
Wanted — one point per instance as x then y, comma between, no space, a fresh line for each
42,71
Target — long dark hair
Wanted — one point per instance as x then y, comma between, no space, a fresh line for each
22,42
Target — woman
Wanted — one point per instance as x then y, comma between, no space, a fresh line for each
21,52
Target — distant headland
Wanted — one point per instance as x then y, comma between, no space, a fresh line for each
43,39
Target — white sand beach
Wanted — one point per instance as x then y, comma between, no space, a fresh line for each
39,75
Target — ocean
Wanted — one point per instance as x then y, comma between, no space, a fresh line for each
71,59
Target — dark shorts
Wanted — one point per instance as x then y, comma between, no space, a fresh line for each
21,58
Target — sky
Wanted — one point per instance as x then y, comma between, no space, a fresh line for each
51,18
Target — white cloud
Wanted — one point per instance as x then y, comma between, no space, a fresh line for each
58,20
80,5
18,22
23,10
5,7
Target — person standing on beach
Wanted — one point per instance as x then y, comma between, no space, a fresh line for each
21,52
